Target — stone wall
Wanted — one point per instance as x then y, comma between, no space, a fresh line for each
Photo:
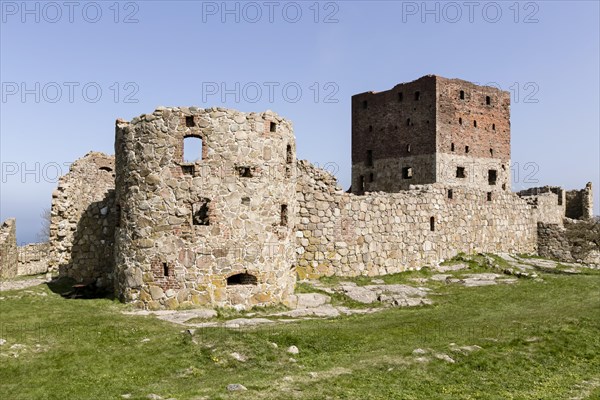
83,219
381,233
34,259
547,203
575,240
8,249
216,231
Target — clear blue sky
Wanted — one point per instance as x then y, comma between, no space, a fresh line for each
181,52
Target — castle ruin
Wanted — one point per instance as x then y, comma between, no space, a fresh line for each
241,221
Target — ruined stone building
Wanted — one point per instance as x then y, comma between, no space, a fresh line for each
239,222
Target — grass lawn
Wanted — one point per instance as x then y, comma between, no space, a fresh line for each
539,340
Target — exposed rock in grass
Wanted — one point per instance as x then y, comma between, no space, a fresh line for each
236,387
239,357
293,350
445,357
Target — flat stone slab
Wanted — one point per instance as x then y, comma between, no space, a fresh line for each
360,293
440,277
308,300
323,311
447,268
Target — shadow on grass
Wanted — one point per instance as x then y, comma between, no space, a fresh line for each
69,288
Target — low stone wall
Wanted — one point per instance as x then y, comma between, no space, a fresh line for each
33,259
553,243
575,241
381,233
8,249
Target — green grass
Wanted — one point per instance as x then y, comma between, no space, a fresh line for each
540,340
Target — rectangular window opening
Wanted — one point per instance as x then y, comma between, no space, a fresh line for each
188,169
165,269
189,121
407,173
460,172
369,158
450,193
272,127
492,176
245,172
489,196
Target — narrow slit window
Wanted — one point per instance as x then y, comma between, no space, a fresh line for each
488,100
492,152
192,149
466,149
452,147
493,127
462,94
361,184
165,269
408,148
407,173
118,217
432,224
450,194
371,177
417,96
364,104
369,158
460,121
288,154
400,96
475,123
408,122
489,196
284,215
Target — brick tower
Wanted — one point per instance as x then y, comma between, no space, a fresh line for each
431,130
